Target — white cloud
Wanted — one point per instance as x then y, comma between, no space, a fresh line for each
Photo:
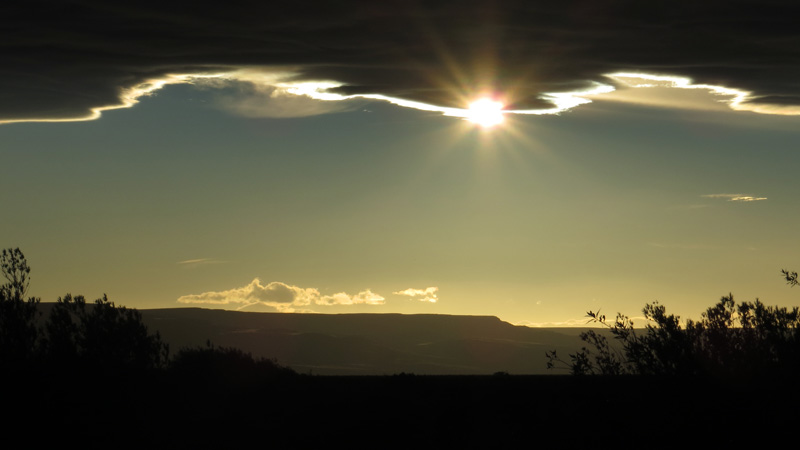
735,99
362,298
281,296
256,101
735,197
428,294
746,198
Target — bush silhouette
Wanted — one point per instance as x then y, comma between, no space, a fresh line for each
226,365
739,341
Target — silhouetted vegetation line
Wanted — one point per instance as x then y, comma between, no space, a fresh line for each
101,338
733,341
101,335
93,375
227,365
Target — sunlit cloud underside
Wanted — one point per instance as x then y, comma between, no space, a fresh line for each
483,111
284,297
281,297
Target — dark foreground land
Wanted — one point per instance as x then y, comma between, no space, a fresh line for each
400,411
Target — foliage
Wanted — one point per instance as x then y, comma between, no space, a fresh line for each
74,334
18,333
791,278
15,270
733,340
221,364
101,335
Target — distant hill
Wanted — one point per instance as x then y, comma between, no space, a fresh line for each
369,344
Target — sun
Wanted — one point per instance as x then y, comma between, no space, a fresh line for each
485,112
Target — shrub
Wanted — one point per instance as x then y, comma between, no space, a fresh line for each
735,341
225,365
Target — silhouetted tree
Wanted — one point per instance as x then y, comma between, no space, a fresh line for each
738,341
18,332
62,330
101,335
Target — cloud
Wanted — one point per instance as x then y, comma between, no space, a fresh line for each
254,93
73,60
199,262
735,197
281,296
746,198
428,294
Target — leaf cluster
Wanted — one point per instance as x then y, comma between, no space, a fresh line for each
791,277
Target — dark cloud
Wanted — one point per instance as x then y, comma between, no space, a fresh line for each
60,59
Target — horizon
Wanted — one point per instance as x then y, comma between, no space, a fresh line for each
529,163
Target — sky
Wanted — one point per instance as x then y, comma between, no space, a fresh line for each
317,158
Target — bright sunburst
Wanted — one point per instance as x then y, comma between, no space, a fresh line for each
485,112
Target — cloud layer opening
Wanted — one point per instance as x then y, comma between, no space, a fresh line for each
72,61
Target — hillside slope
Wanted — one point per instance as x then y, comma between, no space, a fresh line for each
369,344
